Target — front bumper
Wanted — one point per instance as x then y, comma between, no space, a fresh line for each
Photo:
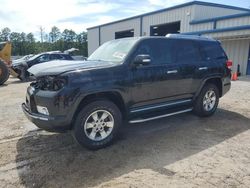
48,123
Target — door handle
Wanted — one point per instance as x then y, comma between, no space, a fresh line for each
172,72
203,68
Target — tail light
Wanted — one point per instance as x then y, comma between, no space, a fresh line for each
229,64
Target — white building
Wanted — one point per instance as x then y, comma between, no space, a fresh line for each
231,25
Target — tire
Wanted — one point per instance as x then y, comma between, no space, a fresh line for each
94,132
4,73
207,102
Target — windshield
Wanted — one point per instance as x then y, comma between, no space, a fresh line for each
35,56
115,50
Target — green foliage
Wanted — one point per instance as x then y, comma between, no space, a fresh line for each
23,44
4,34
54,34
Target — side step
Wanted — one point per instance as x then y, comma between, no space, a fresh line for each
160,116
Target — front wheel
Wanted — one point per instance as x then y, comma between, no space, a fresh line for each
4,73
207,101
97,124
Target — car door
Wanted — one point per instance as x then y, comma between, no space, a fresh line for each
157,82
212,57
188,63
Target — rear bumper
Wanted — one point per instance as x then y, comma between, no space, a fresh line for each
48,123
226,87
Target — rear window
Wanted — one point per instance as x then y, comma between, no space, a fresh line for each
212,50
67,57
186,51
170,51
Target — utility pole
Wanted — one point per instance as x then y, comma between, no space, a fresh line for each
41,33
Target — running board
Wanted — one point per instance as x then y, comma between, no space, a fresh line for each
161,116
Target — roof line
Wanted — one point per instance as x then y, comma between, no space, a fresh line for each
219,18
171,8
244,27
221,6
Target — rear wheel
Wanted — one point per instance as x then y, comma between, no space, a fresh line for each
4,73
207,101
97,124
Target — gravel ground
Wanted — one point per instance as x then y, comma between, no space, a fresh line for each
179,151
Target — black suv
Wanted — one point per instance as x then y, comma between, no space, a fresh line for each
131,79
20,67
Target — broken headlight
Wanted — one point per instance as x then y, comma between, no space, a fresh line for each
50,83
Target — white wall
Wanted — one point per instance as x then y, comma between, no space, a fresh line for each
108,31
203,12
184,15
233,22
237,51
93,40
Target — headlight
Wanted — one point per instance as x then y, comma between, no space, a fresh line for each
50,83
59,83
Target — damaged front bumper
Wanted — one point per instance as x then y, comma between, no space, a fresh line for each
60,105
48,123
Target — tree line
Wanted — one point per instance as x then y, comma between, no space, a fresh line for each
25,43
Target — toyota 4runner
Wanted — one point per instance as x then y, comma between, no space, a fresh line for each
131,79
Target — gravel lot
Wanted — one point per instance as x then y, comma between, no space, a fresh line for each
179,151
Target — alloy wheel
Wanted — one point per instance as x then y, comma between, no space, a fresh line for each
99,125
209,100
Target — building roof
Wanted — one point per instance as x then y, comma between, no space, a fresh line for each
176,7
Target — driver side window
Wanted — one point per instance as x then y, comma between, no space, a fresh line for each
159,50
43,58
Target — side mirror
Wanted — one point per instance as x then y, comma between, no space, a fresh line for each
142,59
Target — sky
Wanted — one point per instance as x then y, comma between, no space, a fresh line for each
28,15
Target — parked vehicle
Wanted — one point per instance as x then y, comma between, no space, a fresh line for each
5,62
131,79
24,58
21,67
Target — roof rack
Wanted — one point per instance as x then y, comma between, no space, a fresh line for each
183,36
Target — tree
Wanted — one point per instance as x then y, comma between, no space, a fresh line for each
82,37
54,34
5,33
30,44
23,37
23,44
69,35
30,38
15,37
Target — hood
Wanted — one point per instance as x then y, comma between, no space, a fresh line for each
61,66
18,62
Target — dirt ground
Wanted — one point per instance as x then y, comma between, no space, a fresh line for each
178,151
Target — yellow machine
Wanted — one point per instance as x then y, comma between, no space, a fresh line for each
5,62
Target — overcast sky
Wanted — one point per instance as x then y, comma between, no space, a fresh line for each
28,15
